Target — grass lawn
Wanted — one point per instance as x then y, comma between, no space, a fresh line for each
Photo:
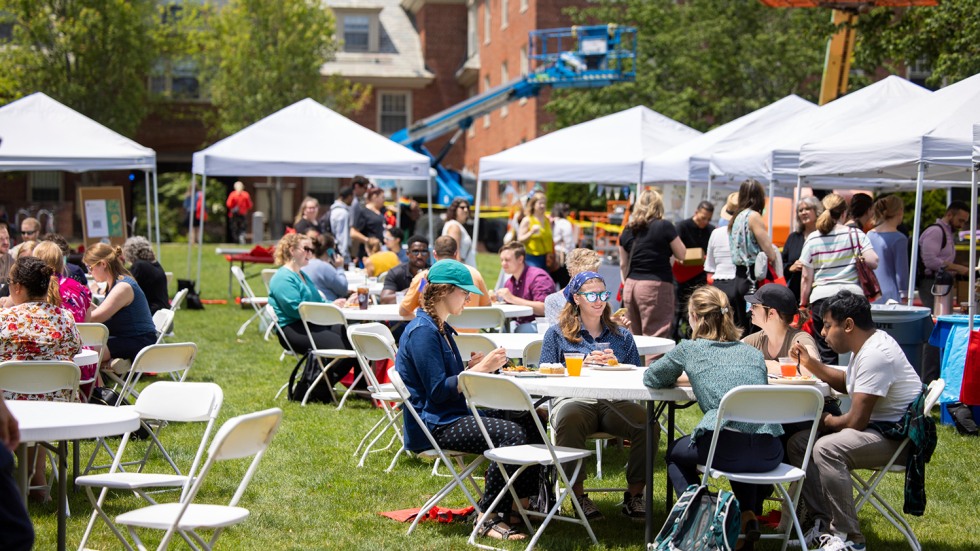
309,493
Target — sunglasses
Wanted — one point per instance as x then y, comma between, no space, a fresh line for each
310,250
593,296
418,252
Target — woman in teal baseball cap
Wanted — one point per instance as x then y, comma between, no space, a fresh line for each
429,362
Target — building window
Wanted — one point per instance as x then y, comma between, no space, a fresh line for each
919,71
486,22
357,33
504,19
523,6
323,190
176,79
472,36
486,86
393,112
45,186
504,79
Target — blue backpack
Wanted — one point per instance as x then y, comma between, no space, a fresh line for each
701,521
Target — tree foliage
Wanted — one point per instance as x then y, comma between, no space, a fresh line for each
92,55
259,56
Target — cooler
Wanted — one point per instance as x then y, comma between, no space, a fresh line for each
910,326
951,336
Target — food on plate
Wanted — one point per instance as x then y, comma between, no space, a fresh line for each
551,369
516,369
612,361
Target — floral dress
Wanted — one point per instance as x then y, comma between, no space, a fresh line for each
38,331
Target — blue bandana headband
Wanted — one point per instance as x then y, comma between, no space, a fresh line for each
577,282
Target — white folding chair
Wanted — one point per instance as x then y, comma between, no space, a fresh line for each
867,487
373,342
532,352
178,300
479,317
163,322
468,343
161,401
322,313
770,404
96,337
240,437
503,393
459,478
257,303
267,274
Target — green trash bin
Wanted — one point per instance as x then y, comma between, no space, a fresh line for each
910,326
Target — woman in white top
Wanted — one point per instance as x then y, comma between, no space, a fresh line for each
829,264
718,260
456,216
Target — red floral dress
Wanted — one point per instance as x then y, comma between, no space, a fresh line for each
38,331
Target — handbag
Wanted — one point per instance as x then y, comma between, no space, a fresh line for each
866,276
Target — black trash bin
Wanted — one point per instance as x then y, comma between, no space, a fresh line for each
910,326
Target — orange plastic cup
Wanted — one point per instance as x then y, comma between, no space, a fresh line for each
573,363
787,367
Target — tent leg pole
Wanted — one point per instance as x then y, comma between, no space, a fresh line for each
973,247
156,209
428,197
200,228
916,228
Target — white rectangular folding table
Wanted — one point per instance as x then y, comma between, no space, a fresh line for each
60,422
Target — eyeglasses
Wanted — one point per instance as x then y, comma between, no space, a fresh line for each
593,296
416,252
466,294
32,232
310,250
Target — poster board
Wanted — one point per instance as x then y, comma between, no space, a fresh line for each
103,215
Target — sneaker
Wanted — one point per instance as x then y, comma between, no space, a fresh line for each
812,536
634,506
831,542
589,507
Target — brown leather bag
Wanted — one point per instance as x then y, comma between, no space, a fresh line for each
866,276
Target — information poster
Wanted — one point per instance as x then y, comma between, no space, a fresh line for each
103,215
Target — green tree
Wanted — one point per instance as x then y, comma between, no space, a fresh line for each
92,55
259,56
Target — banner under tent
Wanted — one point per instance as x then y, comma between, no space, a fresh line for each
305,139
924,143
606,150
39,133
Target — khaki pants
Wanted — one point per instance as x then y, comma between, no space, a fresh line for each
650,306
575,420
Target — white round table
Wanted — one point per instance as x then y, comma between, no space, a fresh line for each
389,312
516,342
60,422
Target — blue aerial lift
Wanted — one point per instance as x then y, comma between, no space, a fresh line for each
576,57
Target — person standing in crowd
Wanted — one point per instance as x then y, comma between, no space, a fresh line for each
429,362
360,186
584,322
124,310
829,259
195,214
937,248
368,219
891,246
400,277
308,217
393,242
239,204
695,232
526,286
645,250
807,211
882,386
457,215
444,249
30,231
747,237
535,232
147,272
565,240
718,257
715,361
338,220
290,287
859,211
326,268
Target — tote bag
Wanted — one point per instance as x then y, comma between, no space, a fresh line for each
866,276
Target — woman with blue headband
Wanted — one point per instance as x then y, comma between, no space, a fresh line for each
583,323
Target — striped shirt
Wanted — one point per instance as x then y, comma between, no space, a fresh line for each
832,258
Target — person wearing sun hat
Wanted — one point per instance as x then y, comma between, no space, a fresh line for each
429,362
772,309
585,322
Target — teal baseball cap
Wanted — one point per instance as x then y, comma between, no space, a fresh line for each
452,272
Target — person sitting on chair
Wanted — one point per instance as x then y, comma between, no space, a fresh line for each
881,383
124,310
585,322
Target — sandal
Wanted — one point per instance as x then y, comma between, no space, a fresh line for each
497,529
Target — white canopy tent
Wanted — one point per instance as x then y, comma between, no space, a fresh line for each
608,150
306,139
927,138
690,162
40,133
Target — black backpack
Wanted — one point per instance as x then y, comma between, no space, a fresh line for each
920,267
299,386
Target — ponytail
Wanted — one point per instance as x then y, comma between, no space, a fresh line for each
835,208
54,291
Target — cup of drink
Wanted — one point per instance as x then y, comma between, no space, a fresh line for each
787,366
362,297
573,363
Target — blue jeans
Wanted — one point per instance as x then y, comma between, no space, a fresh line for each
536,260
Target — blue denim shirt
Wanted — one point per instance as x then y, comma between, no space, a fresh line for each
621,342
430,364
